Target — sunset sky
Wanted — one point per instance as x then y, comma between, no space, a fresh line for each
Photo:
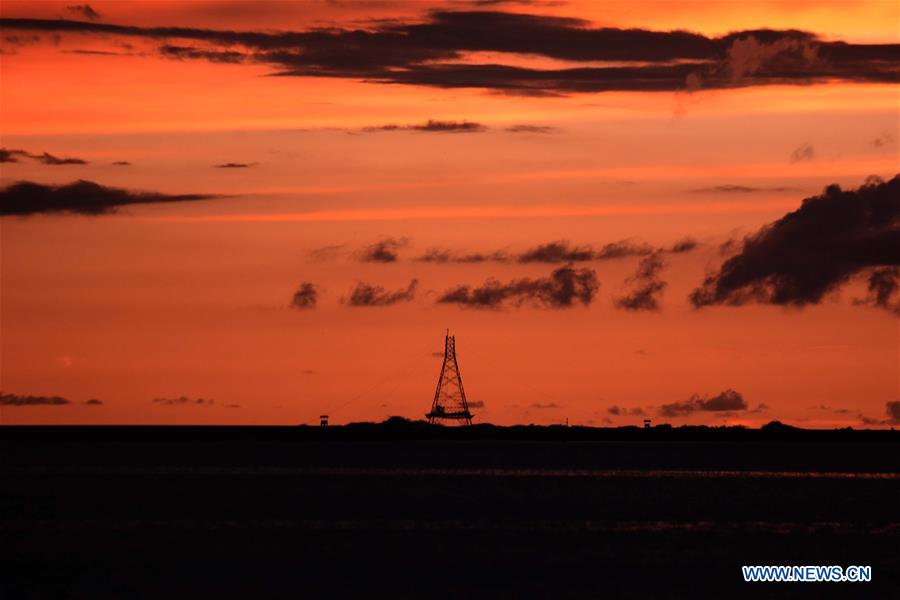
289,204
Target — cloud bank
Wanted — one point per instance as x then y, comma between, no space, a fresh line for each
731,188
383,251
559,252
437,51
84,10
184,401
647,287
441,256
305,297
19,400
8,155
81,197
365,294
892,411
883,286
235,165
432,126
564,288
811,252
729,400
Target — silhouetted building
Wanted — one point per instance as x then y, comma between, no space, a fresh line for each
323,420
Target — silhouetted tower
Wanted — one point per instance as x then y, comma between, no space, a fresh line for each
450,397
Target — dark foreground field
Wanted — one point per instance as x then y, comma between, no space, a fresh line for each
293,513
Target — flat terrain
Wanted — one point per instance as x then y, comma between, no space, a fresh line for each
291,512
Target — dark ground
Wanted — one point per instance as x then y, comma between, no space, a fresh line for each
409,511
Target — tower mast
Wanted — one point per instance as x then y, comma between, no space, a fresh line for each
450,403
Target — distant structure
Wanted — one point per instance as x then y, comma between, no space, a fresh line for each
450,405
323,420
646,423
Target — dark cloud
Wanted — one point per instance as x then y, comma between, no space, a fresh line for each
81,197
235,165
622,249
531,129
96,52
560,251
305,297
439,255
18,400
803,152
892,411
557,252
191,53
383,251
475,404
365,294
892,408
49,159
729,400
84,10
621,411
433,126
93,402
649,267
184,401
545,406
523,81
647,287
501,2
730,188
814,250
121,163
883,287
565,287
433,52
668,60
684,245
9,155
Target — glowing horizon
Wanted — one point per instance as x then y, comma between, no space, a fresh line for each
238,151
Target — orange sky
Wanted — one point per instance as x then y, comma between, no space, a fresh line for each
192,298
